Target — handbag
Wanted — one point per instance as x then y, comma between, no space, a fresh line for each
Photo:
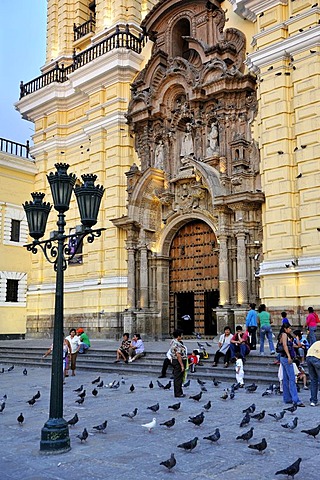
280,348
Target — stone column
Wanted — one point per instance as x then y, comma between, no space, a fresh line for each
223,270
144,277
131,297
242,291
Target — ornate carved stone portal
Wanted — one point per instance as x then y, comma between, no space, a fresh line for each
190,113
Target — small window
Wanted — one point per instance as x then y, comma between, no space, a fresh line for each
12,290
15,230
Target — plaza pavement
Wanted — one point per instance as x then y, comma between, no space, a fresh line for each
127,450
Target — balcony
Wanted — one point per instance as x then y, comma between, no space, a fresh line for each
15,148
83,29
60,73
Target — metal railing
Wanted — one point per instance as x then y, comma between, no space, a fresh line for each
15,148
118,39
83,29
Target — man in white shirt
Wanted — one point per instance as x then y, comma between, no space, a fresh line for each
136,349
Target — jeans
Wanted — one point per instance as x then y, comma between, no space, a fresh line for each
312,335
314,374
83,347
253,332
290,393
242,348
266,330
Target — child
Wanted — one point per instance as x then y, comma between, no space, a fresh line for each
300,373
239,369
193,360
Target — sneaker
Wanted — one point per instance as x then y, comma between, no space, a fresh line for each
116,361
262,354
214,364
300,404
312,404
273,352
162,376
305,388
130,360
226,365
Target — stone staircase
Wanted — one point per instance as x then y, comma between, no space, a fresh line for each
101,361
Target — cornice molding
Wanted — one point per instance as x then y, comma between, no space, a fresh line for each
18,164
80,287
249,9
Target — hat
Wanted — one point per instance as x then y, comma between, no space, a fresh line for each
80,330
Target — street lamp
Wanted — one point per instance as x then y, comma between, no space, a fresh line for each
58,250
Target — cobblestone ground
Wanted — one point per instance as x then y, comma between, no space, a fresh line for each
127,450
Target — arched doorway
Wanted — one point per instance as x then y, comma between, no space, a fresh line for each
194,279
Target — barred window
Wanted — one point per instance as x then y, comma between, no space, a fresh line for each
12,290
15,230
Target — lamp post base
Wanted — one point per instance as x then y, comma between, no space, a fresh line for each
55,437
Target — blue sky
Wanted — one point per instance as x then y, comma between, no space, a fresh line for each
22,54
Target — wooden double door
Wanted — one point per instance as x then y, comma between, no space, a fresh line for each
194,279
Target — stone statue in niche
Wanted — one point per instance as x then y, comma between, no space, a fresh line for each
213,139
159,156
187,149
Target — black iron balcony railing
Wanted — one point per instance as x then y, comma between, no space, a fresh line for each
83,29
15,148
118,39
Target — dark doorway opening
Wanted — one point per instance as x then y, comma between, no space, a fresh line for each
211,300
185,308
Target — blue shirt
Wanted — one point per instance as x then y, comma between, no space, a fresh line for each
251,319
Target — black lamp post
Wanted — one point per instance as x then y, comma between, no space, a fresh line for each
58,250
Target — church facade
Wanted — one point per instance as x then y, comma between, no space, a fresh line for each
200,118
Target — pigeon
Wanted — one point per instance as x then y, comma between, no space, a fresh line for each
196,397
292,470
214,437
101,428
25,372
80,401
82,394
251,388
277,416
250,409
100,385
131,388
201,382
2,406
169,423
197,420
261,446
4,398
207,406
97,380
197,335
123,382
78,390
170,463
37,395
168,386
32,401
246,436
246,420
208,344
115,385
151,384
160,385
235,386
259,416
216,382
10,368
291,425
203,388
225,395
189,445
291,409
269,390
94,392
187,384
175,406
84,435
232,395
20,419
2,370
150,425
154,408
313,432
130,414
73,420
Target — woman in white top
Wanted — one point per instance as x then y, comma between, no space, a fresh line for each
74,341
224,348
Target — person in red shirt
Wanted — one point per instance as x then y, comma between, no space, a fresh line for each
239,343
311,324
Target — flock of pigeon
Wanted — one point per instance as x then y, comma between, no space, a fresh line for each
286,417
